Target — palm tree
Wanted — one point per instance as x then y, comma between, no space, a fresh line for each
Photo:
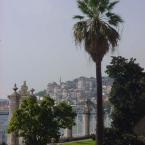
97,30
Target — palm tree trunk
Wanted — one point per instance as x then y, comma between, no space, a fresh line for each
99,108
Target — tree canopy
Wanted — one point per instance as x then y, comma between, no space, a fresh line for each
97,27
40,121
127,94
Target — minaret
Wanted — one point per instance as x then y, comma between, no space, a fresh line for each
13,105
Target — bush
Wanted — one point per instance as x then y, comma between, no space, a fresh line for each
93,136
131,139
114,137
3,143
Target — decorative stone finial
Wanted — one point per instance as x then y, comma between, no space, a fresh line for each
24,89
15,88
32,91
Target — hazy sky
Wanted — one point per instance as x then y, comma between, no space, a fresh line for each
37,45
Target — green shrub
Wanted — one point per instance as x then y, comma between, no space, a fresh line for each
131,139
3,143
114,137
93,136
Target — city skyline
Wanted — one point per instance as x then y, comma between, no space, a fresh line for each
37,43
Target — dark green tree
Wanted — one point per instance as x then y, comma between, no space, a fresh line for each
97,30
40,121
127,93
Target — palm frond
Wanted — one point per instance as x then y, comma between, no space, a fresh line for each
93,3
103,5
114,19
78,17
83,5
111,35
80,31
112,4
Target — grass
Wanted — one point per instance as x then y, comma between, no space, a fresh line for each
83,142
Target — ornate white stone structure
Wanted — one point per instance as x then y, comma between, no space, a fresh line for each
13,105
15,100
74,92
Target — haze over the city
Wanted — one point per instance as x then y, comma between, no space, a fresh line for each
37,45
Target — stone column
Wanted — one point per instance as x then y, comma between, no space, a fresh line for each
68,133
86,128
77,124
86,121
24,93
13,105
